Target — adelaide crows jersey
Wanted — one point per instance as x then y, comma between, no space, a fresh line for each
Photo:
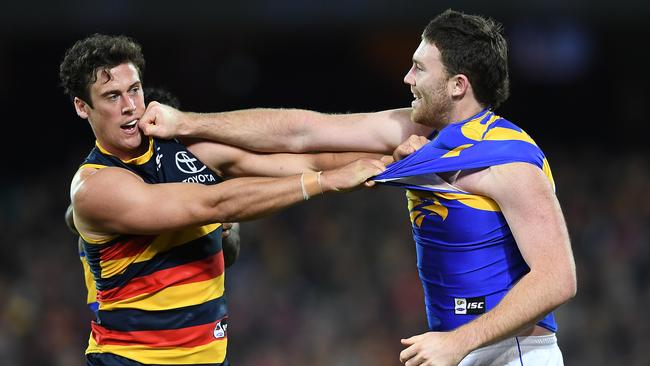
466,255
160,297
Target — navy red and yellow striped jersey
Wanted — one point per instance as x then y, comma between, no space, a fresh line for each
466,254
160,297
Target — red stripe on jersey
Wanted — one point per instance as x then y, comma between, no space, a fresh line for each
197,335
196,271
134,246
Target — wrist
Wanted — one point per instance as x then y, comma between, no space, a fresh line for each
190,124
326,182
466,340
310,183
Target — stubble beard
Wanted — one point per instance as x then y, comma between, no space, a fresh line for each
435,109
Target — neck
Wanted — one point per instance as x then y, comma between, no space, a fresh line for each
464,110
126,156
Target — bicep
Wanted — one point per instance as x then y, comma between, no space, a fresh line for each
533,213
114,201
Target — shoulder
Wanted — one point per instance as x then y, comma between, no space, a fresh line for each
503,181
93,178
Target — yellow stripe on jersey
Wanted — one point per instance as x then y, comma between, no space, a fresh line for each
213,352
90,281
172,297
502,134
456,151
472,200
160,244
142,159
93,166
474,129
546,168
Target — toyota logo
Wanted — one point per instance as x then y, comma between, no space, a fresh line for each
187,164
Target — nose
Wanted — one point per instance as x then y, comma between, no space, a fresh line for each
409,78
129,105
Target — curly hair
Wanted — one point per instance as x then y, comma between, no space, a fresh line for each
78,70
474,46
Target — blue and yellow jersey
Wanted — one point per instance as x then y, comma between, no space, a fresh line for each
466,255
160,298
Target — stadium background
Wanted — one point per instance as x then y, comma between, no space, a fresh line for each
332,281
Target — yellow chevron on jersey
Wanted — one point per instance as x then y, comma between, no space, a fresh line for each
160,244
204,354
171,297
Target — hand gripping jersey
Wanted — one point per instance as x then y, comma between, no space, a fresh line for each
466,255
160,297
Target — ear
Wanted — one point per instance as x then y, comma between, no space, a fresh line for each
81,107
459,85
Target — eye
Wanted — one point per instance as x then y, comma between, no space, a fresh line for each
113,97
135,90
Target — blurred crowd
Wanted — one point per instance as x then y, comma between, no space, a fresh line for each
333,281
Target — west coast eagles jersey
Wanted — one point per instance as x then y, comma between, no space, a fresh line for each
466,255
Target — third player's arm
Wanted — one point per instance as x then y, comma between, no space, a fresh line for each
230,161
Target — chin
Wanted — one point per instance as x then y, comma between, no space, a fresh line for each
419,117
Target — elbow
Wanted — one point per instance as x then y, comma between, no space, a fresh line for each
571,287
567,287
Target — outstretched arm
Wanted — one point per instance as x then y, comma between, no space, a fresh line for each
113,200
286,130
230,161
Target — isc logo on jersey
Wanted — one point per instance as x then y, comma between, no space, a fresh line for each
470,305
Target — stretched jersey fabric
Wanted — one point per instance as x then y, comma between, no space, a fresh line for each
160,297
466,255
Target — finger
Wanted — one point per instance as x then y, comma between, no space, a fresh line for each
403,151
407,354
369,183
147,121
227,225
225,234
387,159
379,165
411,340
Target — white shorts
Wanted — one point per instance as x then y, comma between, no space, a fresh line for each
518,351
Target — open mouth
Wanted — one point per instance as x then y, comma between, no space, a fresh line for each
130,126
416,100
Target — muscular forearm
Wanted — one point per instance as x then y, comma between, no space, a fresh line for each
250,198
265,130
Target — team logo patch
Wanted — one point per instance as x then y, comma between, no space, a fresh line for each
188,164
220,329
470,305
